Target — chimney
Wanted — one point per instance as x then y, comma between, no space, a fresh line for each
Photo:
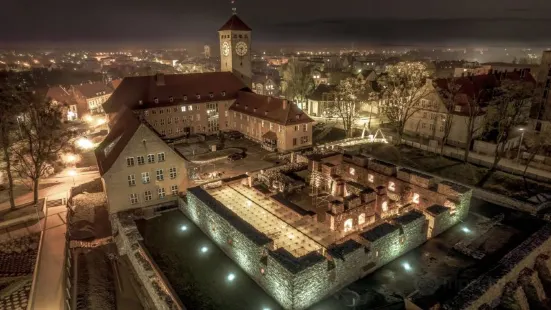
284,104
160,79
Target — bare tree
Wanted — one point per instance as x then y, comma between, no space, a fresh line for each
509,100
10,108
42,137
536,142
449,94
298,81
403,88
347,102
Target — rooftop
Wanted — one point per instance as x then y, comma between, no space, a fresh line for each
379,231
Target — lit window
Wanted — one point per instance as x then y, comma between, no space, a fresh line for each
141,160
348,225
131,180
384,206
161,157
174,190
183,108
130,161
361,219
415,198
352,171
160,175
172,172
161,192
391,186
133,198
147,195
145,177
151,158
370,178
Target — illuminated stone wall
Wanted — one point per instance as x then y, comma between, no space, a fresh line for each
297,283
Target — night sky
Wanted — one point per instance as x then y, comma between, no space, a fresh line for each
289,21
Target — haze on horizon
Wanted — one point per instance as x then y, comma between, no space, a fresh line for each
392,22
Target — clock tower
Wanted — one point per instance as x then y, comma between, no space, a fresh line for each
235,48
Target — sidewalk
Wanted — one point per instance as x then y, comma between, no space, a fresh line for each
66,182
48,291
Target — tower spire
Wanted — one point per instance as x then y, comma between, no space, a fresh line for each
234,9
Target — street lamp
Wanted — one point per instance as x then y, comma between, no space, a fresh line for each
520,143
72,173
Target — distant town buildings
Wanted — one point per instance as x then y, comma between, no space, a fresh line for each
91,97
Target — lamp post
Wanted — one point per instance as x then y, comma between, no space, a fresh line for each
72,173
520,143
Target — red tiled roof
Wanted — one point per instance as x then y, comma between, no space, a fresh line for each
210,86
125,125
115,83
91,90
61,95
272,109
235,23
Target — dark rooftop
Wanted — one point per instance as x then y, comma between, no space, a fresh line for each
437,209
408,217
242,226
378,232
340,250
296,264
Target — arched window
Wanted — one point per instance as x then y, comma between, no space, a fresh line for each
348,225
361,219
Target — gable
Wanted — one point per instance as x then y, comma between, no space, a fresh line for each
144,141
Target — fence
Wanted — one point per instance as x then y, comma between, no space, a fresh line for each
459,154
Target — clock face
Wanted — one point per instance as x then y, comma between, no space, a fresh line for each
225,48
241,48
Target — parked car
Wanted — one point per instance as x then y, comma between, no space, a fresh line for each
234,135
235,156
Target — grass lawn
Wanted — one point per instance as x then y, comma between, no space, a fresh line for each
20,211
500,182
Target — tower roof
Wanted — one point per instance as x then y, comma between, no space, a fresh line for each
235,23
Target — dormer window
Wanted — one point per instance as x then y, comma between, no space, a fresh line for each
185,98
265,112
156,100
198,96
211,94
298,116
171,99
223,93
237,104
246,107
140,102
255,109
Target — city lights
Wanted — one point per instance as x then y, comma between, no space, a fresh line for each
231,277
406,266
204,249
84,144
